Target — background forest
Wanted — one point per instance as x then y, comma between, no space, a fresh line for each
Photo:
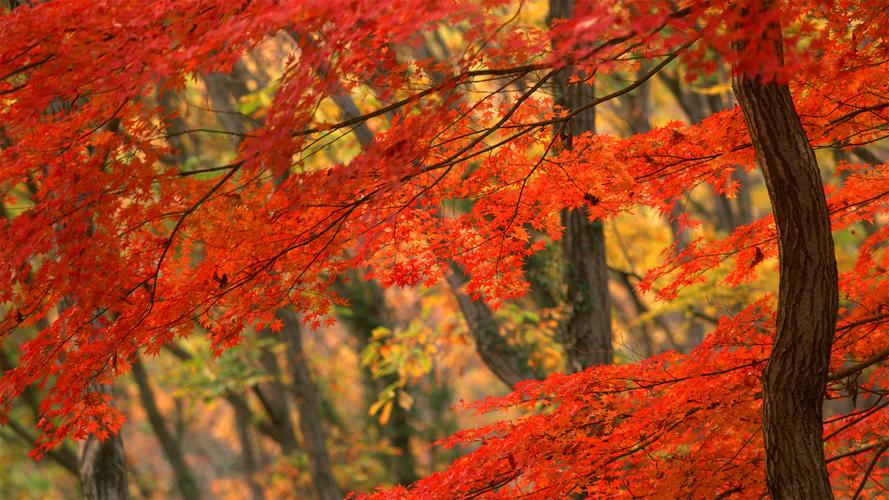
357,398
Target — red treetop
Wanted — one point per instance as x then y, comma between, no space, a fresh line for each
109,251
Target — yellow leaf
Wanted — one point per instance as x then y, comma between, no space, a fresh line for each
386,413
714,89
375,407
381,332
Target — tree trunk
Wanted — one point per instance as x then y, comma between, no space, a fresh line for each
273,395
587,335
696,107
243,419
745,204
103,467
248,456
183,143
185,481
64,455
505,362
795,377
308,404
371,304
222,94
368,311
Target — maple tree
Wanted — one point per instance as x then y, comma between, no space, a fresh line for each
115,249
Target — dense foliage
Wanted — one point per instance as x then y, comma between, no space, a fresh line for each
114,245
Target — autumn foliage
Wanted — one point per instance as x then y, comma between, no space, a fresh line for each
110,250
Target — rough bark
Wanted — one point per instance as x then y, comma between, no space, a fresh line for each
587,335
308,402
185,481
103,467
795,377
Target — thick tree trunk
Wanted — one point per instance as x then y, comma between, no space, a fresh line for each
185,481
587,335
795,377
103,467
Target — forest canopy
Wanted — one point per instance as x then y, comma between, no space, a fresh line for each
444,249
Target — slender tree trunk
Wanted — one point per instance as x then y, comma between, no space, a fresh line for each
103,467
587,336
216,90
308,404
248,455
273,396
63,456
507,363
636,106
183,143
368,312
102,464
398,429
504,361
696,107
795,377
867,155
185,481
223,91
243,417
